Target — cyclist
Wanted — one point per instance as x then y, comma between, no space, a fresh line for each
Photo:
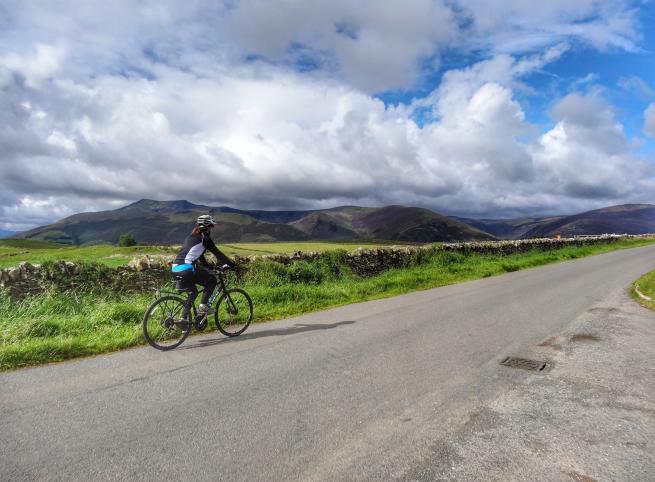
190,262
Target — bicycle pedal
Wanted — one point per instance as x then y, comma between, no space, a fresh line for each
200,322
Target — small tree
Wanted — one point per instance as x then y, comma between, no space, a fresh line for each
125,240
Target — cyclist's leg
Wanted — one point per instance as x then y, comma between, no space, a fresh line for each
206,279
186,282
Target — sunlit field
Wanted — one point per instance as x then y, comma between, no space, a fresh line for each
14,251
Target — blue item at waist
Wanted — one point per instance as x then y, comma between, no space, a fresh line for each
182,267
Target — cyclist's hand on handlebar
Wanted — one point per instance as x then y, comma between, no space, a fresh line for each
222,268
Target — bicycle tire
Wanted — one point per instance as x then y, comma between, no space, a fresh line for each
231,322
167,318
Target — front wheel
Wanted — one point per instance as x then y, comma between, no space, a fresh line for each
233,312
167,323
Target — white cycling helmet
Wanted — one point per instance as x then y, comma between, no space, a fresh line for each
206,221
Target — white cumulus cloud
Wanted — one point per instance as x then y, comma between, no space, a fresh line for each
269,105
586,155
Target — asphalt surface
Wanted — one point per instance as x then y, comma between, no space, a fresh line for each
404,388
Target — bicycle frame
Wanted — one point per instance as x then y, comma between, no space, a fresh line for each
221,288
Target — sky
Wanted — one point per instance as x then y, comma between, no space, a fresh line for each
477,108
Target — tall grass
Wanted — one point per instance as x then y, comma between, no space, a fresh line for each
59,326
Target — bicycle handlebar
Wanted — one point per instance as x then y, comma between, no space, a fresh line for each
222,269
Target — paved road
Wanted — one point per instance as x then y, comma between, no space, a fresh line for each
365,391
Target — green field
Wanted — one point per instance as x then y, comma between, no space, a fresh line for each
59,326
14,251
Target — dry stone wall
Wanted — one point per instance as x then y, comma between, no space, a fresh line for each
145,273
369,262
29,279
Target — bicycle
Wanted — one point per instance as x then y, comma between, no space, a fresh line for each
168,320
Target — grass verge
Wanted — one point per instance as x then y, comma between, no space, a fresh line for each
57,326
645,285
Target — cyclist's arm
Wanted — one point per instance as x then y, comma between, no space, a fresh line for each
202,260
222,259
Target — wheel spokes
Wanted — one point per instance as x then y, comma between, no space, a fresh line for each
165,325
234,312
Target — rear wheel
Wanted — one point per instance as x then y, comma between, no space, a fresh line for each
233,312
167,323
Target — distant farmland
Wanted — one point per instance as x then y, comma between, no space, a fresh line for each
15,251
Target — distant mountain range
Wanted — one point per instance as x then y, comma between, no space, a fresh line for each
7,234
623,219
170,221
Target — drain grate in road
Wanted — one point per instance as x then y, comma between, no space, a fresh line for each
524,364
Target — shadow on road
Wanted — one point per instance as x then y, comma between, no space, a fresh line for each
297,328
